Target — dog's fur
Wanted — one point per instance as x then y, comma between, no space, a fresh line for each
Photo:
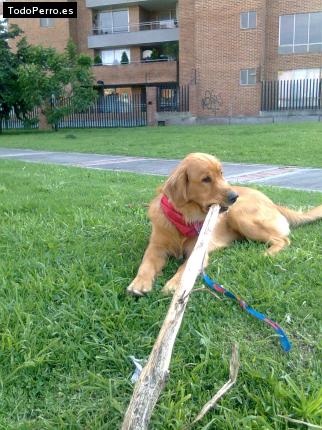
193,187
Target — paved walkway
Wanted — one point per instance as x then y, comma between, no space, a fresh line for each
283,176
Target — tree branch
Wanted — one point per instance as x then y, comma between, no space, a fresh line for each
233,373
156,372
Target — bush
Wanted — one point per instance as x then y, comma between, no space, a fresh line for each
155,54
124,58
97,59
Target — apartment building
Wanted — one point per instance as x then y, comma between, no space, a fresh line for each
222,49
134,44
228,47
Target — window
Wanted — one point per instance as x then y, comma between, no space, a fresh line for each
46,22
168,18
248,77
300,33
112,57
120,21
114,21
248,20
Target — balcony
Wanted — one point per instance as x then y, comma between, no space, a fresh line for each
145,33
137,73
98,4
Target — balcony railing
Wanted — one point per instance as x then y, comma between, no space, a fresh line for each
142,26
116,3
143,61
137,73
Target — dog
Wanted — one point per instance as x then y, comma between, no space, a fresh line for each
181,206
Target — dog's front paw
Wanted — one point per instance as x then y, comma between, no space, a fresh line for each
171,286
139,286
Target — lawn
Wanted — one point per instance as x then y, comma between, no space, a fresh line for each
70,242
285,144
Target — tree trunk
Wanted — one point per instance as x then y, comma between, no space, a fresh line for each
43,123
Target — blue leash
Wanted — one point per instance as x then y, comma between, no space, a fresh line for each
285,343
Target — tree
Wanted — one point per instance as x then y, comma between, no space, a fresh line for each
124,58
38,77
97,60
171,50
10,98
47,78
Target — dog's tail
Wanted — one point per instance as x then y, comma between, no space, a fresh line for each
296,218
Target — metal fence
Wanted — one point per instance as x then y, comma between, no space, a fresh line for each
301,94
108,111
173,98
14,123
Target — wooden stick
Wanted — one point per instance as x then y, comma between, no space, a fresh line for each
233,373
207,290
156,372
292,420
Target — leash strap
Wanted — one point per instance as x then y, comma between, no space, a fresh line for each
285,343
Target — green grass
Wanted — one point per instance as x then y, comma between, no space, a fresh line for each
286,144
70,242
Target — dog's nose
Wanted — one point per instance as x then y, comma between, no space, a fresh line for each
232,197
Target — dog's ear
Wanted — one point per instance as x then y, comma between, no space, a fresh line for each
175,187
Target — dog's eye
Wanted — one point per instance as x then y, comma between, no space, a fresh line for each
206,179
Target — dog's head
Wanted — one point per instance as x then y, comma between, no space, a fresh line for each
199,179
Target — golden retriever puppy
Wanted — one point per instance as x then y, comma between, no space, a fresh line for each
182,204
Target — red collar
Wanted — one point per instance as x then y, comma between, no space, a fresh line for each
176,218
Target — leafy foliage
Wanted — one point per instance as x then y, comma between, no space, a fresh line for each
155,54
124,58
97,59
171,50
10,97
35,76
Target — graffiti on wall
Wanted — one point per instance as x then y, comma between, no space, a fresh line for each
211,101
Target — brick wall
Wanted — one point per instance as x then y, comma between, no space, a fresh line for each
220,50
186,16
64,29
279,62
55,37
134,19
81,27
213,50
137,73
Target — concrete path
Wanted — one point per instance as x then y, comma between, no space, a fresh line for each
283,176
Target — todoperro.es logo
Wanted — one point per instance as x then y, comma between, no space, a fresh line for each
40,9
